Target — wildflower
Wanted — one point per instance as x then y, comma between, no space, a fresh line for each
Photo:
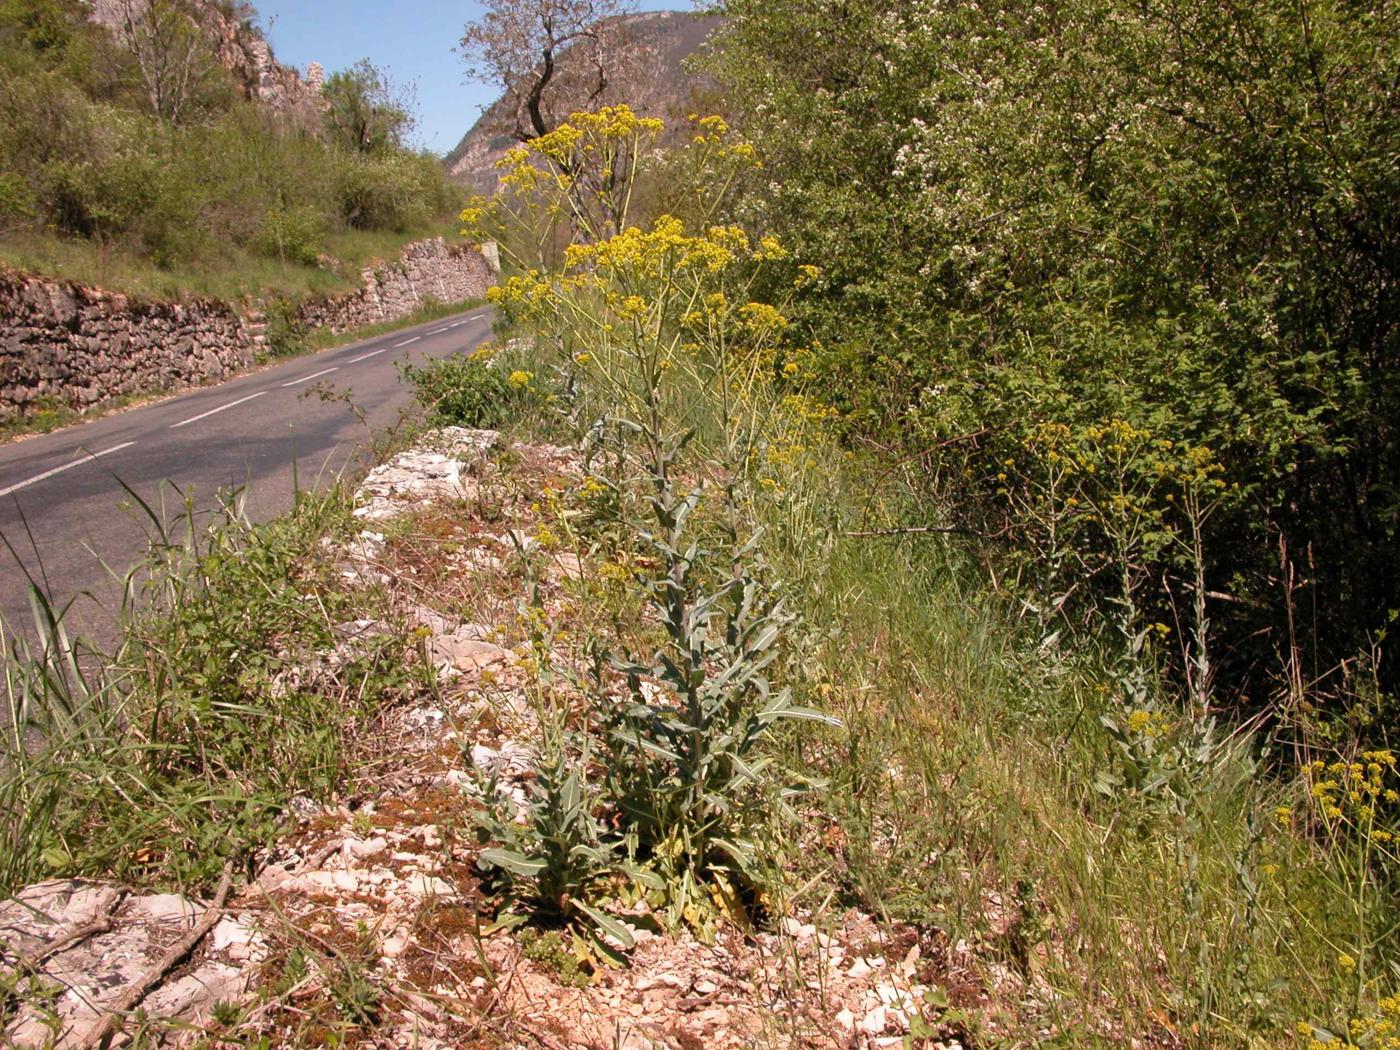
633,307
770,248
520,378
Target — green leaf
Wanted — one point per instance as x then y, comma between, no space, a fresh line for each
608,924
643,876
806,714
515,863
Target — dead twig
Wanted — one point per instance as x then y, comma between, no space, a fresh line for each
102,1032
101,924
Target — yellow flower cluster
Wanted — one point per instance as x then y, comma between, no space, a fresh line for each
529,289
809,410
615,122
770,248
1352,791
474,214
520,378
709,129
1379,1031
1148,723
665,248
761,318
582,133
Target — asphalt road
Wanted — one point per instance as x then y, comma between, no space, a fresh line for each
74,528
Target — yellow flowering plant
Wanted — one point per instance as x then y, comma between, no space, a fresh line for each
681,367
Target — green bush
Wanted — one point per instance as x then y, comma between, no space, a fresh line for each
1098,214
285,335
295,235
17,200
468,391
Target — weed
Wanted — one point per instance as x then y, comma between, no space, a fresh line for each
548,949
183,747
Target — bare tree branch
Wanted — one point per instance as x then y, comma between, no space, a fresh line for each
517,43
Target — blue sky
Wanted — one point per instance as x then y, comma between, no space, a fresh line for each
412,39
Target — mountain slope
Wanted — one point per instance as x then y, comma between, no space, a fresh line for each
651,77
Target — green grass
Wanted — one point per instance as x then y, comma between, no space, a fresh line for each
982,789
157,761
232,275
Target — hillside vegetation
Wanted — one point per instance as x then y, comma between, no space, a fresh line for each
130,156
972,575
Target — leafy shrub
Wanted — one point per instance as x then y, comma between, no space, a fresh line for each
1108,228
558,857
294,235
17,200
468,391
285,334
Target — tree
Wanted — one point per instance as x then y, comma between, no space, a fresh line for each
518,43
174,59
367,113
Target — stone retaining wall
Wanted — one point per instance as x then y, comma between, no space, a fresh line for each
82,346
426,271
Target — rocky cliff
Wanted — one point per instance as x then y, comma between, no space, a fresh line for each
241,47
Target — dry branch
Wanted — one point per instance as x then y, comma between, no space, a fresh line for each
102,1032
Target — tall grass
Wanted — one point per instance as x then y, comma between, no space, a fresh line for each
183,746
1175,881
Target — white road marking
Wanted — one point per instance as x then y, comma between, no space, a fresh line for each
204,415
439,331
366,357
457,324
407,341
313,375
66,466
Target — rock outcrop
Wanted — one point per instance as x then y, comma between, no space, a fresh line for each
241,47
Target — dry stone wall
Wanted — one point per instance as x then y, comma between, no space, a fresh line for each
82,346
427,271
